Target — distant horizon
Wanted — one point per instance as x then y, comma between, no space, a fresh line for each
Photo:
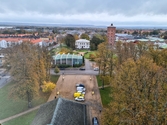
140,26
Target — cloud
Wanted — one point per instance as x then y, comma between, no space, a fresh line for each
99,11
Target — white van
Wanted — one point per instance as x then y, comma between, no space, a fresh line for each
81,89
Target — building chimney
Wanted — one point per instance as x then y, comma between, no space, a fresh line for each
111,24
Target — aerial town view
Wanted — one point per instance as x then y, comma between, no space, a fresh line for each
83,62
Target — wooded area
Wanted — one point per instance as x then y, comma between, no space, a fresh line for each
137,75
29,66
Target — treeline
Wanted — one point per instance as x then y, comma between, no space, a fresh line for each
29,67
138,78
69,40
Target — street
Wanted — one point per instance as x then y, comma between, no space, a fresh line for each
4,78
75,72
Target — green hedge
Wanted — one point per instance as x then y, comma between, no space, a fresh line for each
63,66
77,65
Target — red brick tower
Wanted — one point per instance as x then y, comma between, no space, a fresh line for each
111,34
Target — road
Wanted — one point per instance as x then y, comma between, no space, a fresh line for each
55,46
88,65
4,78
75,72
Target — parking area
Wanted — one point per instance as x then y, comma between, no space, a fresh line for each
66,87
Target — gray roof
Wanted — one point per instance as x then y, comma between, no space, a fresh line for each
45,113
62,112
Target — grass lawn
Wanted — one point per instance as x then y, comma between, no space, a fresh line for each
88,54
10,106
99,80
54,78
82,50
24,119
105,96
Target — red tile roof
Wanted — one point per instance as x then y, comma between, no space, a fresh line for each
36,40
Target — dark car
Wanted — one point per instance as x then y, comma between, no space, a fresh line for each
80,85
95,121
82,68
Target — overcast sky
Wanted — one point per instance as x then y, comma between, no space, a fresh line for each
94,12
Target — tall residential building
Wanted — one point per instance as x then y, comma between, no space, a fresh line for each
111,34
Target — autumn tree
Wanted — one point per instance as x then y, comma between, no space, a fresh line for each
29,68
95,41
92,57
43,64
76,37
139,92
158,56
84,36
105,60
125,51
70,41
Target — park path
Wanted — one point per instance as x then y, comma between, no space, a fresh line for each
20,114
104,86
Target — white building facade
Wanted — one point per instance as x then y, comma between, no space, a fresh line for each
82,44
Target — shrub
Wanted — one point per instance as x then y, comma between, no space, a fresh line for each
77,65
92,57
48,87
63,66
56,70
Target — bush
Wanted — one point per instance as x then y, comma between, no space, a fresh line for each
92,57
77,65
48,87
56,70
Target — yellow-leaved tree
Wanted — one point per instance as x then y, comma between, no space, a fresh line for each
48,87
139,94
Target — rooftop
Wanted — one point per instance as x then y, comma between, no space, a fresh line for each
62,112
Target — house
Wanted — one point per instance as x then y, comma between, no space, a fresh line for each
82,44
41,42
8,42
62,112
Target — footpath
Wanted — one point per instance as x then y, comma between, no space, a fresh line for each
20,114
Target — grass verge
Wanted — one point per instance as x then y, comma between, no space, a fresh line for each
105,96
99,81
88,54
54,78
24,119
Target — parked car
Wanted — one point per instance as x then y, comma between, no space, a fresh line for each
82,68
95,121
81,89
78,94
96,69
81,92
79,98
80,85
